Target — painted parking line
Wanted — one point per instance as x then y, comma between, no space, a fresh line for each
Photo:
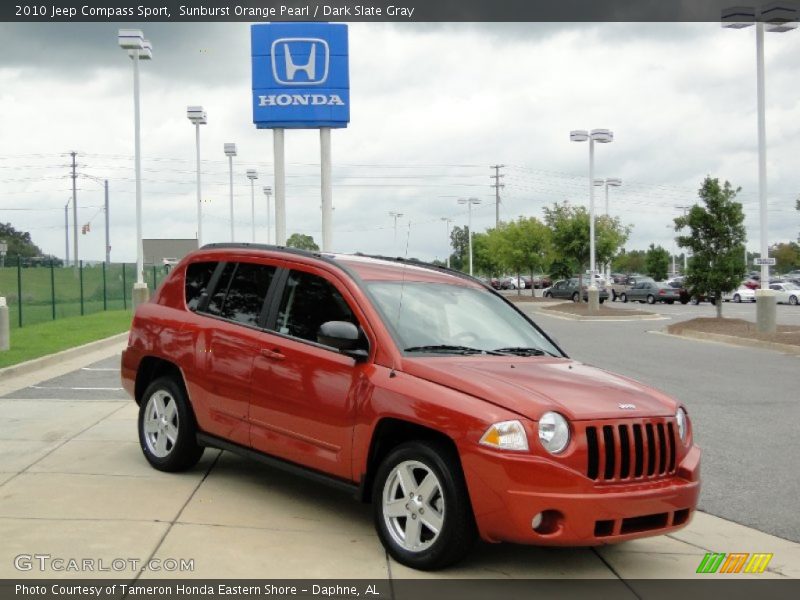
115,369
81,389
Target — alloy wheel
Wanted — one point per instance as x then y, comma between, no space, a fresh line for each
413,505
161,424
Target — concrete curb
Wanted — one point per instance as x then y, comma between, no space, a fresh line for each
737,341
27,367
620,317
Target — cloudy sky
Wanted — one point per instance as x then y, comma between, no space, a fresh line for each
432,107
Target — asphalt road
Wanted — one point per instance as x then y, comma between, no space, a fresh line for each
744,403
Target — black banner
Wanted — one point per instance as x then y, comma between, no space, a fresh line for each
711,586
370,10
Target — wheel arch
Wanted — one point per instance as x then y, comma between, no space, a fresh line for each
390,432
150,369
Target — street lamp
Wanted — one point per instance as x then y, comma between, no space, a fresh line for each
252,175
198,117
230,152
469,202
601,136
268,192
66,232
104,183
447,221
609,182
776,17
138,48
395,215
3,251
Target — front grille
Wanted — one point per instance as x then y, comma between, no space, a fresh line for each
630,450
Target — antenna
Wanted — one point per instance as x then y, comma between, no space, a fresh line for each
392,373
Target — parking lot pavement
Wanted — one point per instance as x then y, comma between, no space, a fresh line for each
73,483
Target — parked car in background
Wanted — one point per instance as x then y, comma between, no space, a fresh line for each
787,293
568,290
751,283
541,282
683,294
793,276
740,294
651,292
697,298
617,289
461,420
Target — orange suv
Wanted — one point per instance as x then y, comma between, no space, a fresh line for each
416,388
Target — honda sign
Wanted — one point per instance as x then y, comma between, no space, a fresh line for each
300,75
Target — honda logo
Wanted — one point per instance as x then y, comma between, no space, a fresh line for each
300,61
627,406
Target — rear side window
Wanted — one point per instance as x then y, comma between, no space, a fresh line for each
308,302
241,292
198,276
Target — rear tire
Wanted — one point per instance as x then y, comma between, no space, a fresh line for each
421,506
737,298
793,300
651,299
575,297
167,429
624,297
695,300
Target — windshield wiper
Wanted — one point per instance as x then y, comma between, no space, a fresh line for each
523,351
448,349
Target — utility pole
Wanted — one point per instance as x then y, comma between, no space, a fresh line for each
66,234
497,185
395,215
447,221
108,235
74,209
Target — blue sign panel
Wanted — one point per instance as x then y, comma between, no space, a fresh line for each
300,75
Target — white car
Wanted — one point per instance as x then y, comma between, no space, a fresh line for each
740,294
787,293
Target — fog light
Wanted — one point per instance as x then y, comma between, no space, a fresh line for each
547,522
536,521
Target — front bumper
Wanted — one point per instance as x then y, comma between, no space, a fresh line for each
507,492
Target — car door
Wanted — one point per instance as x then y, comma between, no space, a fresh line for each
636,292
305,394
229,343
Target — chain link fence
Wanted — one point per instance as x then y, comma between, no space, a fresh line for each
48,292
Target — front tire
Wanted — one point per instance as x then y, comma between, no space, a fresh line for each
167,430
793,300
623,297
421,506
575,297
737,298
651,299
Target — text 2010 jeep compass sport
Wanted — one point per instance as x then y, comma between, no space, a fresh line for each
420,389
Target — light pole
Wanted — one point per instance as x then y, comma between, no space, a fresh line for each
198,117
775,17
104,183
601,136
3,251
395,215
447,221
685,210
252,175
674,251
230,152
609,182
469,202
138,48
268,193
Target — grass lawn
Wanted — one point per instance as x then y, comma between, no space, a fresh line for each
33,341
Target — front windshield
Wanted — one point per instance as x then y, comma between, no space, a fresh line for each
437,317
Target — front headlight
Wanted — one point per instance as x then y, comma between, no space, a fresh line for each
683,424
506,435
553,432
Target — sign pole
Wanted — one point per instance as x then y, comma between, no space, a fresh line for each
327,189
280,186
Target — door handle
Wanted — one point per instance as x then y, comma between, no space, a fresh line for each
273,354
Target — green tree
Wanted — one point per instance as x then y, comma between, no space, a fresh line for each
716,238
569,227
630,262
523,245
484,260
657,262
787,256
19,244
459,242
302,242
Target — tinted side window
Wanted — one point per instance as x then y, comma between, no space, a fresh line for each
247,292
218,297
308,302
198,276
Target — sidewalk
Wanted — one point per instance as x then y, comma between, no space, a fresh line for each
73,484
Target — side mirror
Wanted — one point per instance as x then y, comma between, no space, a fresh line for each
343,336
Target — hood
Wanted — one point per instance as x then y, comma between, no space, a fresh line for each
531,386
